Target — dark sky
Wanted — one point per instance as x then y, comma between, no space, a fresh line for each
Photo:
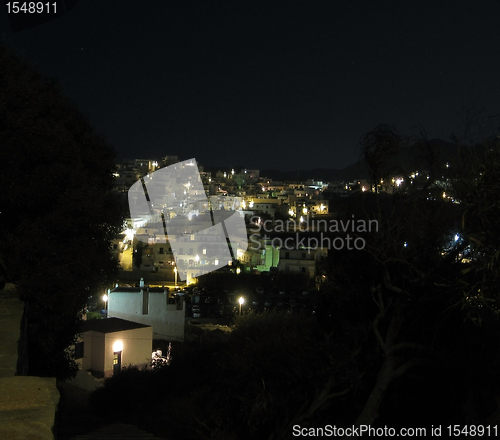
284,85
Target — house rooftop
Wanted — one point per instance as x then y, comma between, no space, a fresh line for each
110,325
138,289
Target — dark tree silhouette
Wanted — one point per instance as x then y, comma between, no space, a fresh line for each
58,212
422,297
379,148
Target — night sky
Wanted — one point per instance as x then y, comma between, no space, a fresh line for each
286,85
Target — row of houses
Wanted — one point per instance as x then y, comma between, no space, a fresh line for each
174,229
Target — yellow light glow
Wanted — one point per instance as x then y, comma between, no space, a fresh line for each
129,234
117,346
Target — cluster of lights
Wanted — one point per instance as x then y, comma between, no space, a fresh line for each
398,181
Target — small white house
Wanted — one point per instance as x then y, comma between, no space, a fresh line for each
107,345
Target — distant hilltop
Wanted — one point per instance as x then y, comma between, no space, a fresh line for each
418,155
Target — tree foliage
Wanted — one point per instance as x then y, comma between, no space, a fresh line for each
379,148
476,184
58,211
426,288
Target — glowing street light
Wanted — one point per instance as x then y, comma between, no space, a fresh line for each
241,300
105,299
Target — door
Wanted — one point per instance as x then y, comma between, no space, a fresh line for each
117,362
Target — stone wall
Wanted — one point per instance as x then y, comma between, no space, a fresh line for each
27,404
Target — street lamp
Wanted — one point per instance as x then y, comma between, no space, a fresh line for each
105,299
175,274
241,300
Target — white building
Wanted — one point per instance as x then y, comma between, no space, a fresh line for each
298,260
149,306
107,345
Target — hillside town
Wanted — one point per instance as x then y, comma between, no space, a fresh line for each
291,224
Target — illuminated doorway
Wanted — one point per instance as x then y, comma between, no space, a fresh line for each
117,362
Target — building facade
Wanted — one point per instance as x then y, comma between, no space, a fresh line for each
149,306
108,345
